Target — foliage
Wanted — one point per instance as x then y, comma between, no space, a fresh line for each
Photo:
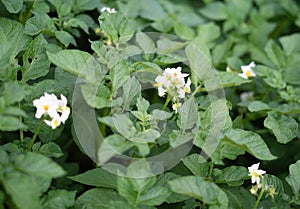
129,142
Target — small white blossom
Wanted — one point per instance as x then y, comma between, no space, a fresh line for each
63,109
175,107
247,71
54,123
109,10
228,69
47,104
255,174
254,190
245,96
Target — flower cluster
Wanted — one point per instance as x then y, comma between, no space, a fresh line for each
172,82
257,176
109,10
49,105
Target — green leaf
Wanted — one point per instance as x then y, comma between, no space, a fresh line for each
183,31
119,74
208,33
78,63
35,60
151,10
154,196
23,190
257,106
142,104
42,165
98,198
188,114
251,142
290,44
9,123
294,177
112,145
97,177
12,41
86,5
275,54
59,199
14,91
215,11
51,149
285,128
96,95
65,38
131,89
232,175
77,23
239,198
145,42
197,187
229,79
124,125
125,32
13,6
193,163
40,22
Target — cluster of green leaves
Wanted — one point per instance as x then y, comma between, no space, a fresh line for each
53,46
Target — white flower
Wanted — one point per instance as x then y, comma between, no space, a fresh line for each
228,69
175,106
54,123
247,71
109,10
63,109
255,174
47,104
254,190
245,96
185,89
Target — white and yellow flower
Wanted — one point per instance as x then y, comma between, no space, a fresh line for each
247,71
256,174
54,123
175,106
63,109
46,104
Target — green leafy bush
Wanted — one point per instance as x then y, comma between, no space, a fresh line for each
149,104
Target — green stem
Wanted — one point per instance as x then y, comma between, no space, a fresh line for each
36,133
21,130
211,168
261,193
198,88
167,102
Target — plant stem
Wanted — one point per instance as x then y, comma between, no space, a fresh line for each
260,194
198,88
21,130
36,133
167,102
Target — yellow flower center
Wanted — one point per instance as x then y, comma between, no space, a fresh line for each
248,73
56,123
46,107
186,89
